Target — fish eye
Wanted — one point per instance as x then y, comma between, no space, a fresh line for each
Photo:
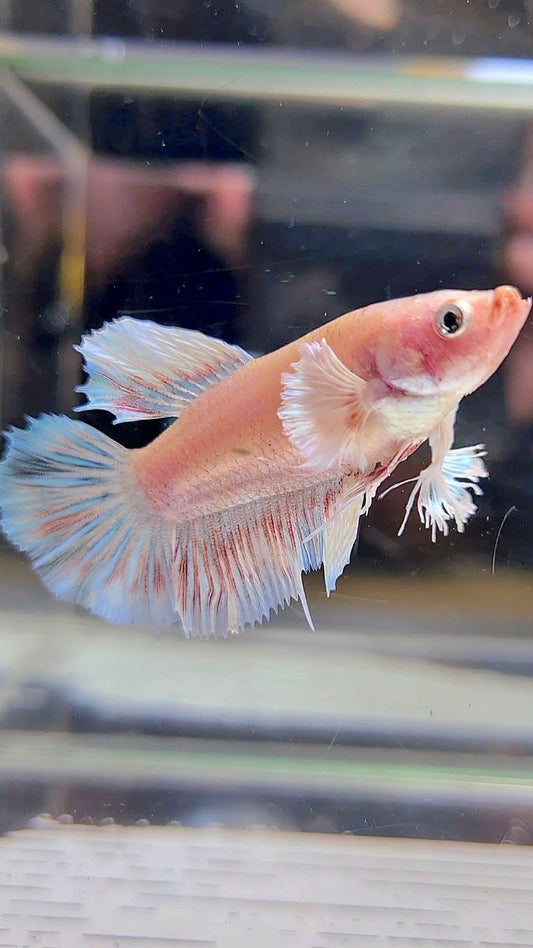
450,319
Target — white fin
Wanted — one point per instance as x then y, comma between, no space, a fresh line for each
351,502
323,410
340,535
445,489
236,567
141,370
70,500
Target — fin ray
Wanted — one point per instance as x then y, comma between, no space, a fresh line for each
139,370
339,537
445,490
70,498
323,410
81,518
252,561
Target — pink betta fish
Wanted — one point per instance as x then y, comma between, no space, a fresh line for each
268,466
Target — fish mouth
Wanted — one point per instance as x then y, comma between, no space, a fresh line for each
508,304
508,314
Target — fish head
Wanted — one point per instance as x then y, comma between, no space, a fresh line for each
448,342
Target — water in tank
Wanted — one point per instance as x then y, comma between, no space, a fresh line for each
266,392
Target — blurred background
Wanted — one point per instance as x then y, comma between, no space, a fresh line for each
253,169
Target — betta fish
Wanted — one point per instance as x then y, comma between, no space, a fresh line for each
268,466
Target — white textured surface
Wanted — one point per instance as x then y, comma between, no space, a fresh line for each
70,886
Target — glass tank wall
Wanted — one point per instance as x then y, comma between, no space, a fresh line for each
253,170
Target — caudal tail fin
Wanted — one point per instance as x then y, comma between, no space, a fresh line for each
70,499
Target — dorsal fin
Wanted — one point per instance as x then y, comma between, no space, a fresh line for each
139,370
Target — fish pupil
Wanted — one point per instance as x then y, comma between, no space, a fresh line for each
451,321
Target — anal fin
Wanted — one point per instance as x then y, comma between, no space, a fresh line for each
235,567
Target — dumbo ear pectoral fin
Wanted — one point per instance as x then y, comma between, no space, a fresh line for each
445,490
323,409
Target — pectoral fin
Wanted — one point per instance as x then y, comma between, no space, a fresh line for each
324,410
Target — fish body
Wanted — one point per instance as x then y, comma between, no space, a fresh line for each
268,466
234,431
